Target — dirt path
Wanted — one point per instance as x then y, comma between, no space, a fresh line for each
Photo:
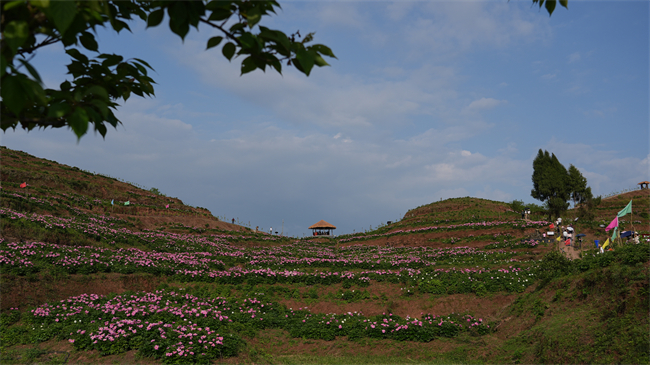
570,252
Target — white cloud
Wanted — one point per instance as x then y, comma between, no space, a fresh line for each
574,57
445,26
485,103
549,76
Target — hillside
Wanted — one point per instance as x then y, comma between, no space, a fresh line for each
455,281
64,189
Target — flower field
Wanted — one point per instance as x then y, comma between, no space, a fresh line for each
460,276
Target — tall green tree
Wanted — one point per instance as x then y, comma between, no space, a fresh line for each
99,80
579,191
550,183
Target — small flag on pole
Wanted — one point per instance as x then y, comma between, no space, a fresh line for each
559,238
127,203
112,201
606,243
626,210
23,185
567,242
167,206
614,234
613,224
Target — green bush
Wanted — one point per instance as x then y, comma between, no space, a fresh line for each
553,265
433,286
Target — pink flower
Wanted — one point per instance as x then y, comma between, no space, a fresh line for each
71,340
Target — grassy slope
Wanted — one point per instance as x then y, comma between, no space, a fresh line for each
595,316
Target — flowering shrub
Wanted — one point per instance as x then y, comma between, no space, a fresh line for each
478,281
451,227
182,328
514,244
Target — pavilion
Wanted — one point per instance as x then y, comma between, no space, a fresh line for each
644,183
322,228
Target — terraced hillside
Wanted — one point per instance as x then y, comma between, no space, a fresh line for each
461,280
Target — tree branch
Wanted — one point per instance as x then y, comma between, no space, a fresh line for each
228,34
49,40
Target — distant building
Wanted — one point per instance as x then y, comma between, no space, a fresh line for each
322,228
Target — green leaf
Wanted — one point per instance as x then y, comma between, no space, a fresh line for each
74,53
155,18
253,16
214,41
78,122
248,65
221,10
144,63
97,91
306,60
320,62
101,128
88,41
40,3
249,42
564,3
110,59
13,93
277,65
101,106
220,14
178,19
58,110
237,27
324,50
550,6
35,92
308,38
112,120
32,71
62,13
15,34
228,50
12,4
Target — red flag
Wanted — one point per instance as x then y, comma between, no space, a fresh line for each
551,226
568,242
23,185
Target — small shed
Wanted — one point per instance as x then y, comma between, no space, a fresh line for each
322,228
644,184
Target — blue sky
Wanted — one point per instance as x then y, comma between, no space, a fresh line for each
427,100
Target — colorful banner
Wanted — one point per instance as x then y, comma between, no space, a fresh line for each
626,210
111,201
127,203
606,243
612,225
614,234
23,185
167,206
